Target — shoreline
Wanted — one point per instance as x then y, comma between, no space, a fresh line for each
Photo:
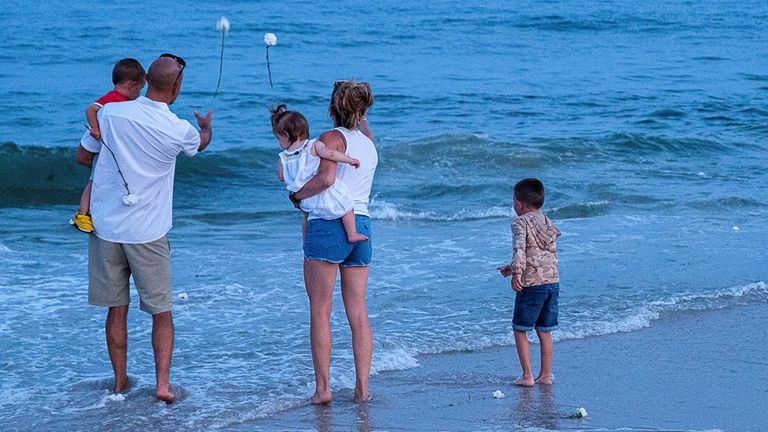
687,371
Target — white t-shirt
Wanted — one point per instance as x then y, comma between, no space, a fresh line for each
145,137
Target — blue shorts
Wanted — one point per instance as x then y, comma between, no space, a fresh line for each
326,240
536,307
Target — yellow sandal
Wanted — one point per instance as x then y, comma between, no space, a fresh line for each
82,222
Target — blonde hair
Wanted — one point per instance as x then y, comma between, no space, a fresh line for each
350,101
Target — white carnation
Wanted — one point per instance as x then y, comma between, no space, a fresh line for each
130,199
498,394
222,25
116,397
183,296
270,39
580,413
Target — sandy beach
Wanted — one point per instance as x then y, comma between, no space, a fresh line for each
664,377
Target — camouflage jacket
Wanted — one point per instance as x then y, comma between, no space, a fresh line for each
534,253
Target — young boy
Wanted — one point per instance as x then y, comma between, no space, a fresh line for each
535,279
129,78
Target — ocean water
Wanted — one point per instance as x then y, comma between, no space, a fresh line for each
647,122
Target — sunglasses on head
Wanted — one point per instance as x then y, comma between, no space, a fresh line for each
179,60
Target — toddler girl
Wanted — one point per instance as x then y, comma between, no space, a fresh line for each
299,162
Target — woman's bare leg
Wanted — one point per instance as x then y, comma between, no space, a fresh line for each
319,279
354,285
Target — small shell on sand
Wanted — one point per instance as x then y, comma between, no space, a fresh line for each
498,394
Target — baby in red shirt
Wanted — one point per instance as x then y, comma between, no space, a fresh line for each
129,78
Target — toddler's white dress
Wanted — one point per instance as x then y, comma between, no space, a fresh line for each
299,166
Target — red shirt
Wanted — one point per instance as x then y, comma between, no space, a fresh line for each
112,96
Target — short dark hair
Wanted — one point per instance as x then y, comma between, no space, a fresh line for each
128,69
530,191
291,123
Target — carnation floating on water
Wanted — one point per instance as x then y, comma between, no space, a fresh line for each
270,39
579,413
116,397
223,26
735,228
498,394
183,296
130,199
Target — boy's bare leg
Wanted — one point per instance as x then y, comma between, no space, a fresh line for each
117,344
547,352
85,199
348,220
304,227
524,353
162,344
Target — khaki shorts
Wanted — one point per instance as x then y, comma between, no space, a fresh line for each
110,266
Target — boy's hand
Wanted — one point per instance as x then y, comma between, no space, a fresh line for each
96,133
517,282
505,271
355,163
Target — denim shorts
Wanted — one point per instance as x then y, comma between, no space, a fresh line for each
326,240
536,307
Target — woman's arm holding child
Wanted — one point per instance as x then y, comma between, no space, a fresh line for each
326,174
326,153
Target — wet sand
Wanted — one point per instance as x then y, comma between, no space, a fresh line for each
703,370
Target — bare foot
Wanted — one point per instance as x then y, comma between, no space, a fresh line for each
165,394
356,238
546,379
321,398
362,398
524,381
121,383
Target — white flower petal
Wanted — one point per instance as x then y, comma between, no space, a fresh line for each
222,25
130,199
270,39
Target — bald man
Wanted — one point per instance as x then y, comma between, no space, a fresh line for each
131,207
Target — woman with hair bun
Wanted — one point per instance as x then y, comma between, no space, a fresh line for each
326,249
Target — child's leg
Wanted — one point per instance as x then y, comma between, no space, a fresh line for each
524,353
348,220
547,352
304,227
85,199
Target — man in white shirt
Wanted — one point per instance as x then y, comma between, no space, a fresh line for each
131,207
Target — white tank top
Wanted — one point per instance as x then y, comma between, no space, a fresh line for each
358,181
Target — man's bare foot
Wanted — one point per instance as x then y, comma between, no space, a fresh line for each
545,379
524,381
165,394
357,238
362,398
321,398
121,383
